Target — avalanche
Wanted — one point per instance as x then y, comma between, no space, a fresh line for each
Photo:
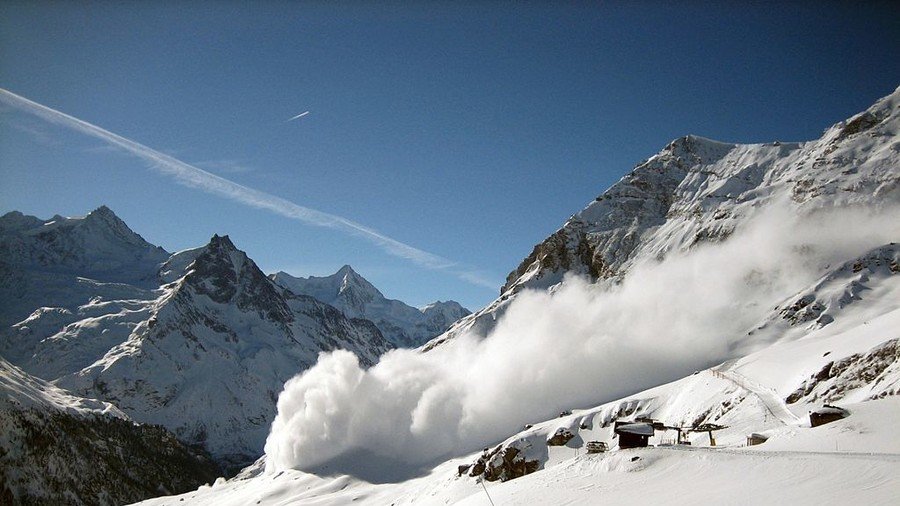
776,264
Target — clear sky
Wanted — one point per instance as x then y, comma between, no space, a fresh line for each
467,131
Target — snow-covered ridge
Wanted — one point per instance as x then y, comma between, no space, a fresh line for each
698,191
24,391
356,297
43,262
99,244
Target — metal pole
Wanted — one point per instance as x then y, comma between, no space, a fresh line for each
486,492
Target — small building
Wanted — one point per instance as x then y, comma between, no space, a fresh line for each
756,439
826,414
633,434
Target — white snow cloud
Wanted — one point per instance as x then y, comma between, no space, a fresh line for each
578,346
195,177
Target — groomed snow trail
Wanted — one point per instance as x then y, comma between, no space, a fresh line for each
769,397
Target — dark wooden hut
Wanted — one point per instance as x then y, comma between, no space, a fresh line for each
633,434
827,414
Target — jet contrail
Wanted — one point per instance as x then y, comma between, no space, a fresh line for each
194,177
298,116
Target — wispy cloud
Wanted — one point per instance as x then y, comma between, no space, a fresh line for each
195,177
226,165
298,116
36,130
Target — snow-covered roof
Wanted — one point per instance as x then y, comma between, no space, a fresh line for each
638,429
831,410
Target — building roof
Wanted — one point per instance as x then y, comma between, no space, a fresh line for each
638,429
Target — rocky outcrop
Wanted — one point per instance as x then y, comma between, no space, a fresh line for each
870,372
503,463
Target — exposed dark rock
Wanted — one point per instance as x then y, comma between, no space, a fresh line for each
835,379
560,437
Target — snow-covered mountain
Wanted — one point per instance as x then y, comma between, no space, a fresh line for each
207,358
699,191
58,448
63,262
200,341
403,325
832,338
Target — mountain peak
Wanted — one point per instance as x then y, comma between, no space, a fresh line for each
221,242
103,210
356,297
220,250
104,221
101,214
346,269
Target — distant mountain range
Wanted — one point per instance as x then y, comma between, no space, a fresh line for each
403,325
200,341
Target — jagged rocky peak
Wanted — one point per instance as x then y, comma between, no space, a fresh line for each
345,289
226,274
356,290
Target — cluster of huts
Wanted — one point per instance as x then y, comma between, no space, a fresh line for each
637,433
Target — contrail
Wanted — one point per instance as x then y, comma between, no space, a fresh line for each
297,116
194,177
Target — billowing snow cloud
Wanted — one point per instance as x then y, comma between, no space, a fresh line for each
578,346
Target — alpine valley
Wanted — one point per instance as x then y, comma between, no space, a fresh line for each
722,325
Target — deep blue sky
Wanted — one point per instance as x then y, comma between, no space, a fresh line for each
470,131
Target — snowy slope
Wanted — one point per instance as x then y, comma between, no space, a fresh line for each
403,325
208,357
59,448
63,262
698,191
805,465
